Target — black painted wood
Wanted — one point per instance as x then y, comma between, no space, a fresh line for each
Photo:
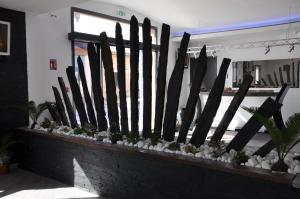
52,108
96,87
86,93
134,74
190,107
287,69
78,101
112,101
276,79
293,75
13,74
121,78
298,74
267,109
264,82
147,76
161,78
269,146
211,106
60,108
281,76
68,104
173,92
233,107
271,82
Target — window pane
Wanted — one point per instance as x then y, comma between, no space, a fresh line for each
94,25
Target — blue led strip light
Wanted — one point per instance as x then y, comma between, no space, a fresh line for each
242,26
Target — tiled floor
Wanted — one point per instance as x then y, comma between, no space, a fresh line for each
21,184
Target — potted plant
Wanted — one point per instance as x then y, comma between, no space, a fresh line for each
6,143
35,111
284,139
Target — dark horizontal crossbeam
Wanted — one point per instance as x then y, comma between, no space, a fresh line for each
84,37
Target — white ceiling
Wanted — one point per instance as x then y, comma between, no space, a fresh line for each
181,14
38,6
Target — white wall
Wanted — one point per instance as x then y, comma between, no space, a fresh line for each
47,39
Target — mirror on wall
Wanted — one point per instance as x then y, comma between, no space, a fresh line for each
267,73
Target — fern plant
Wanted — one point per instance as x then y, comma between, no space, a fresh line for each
35,111
284,139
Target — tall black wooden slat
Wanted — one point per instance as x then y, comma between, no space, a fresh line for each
233,107
121,78
276,80
161,78
173,92
189,112
281,76
267,109
60,107
147,76
211,106
78,101
87,97
271,82
52,108
298,73
70,110
112,101
134,74
96,87
264,82
266,148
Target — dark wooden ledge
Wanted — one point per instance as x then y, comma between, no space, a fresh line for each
163,156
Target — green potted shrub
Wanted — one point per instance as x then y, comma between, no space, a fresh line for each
284,139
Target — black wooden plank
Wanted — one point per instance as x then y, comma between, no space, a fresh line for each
281,76
190,107
147,76
112,101
96,87
161,78
78,101
271,82
267,148
173,92
134,74
267,109
211,106
60,108
86,93
233,107
121,78
68,104
276,80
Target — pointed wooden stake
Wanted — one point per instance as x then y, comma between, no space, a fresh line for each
121,78
211,106
233,107
267,109
147,76
112,102
161,78
77,95
87,97
194,95
68,104
60,107
173,92
96,87
134,74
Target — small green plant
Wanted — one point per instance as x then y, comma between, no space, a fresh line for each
35,111
191,149
89,129
115,137
284,139
155,139
79,131
132,138
174,146
219,148
240,157
46,123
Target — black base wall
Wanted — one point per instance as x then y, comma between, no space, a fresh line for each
13,74
115,174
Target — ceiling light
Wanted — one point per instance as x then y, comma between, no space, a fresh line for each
267,50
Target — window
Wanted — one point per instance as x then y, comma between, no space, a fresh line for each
93,24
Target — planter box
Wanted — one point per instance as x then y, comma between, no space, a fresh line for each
115,171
